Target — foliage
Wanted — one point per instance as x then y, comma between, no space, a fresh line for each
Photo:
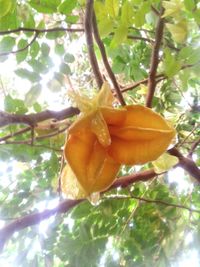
38,67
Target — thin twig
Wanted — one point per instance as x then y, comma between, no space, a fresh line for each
90,43
27,143
154,60
105,61
140,38
24,130
160,77
32,135
186,138
59,190
154,201
21,49
41,137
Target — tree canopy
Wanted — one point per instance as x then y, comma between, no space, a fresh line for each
148,52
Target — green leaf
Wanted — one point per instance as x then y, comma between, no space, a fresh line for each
34,49
139,16
33,94
69,58
14,105
26,74
10,20
67,6
120,35
105,27
189,55
45,6
38,66
54,35
45,49
65,69
21,56
72,19
127,14
172,8
59,49
37,107
164,163
178,31
100,10
189,5
29,23
7,43
112,7
171,64
5,7
54,85
59,77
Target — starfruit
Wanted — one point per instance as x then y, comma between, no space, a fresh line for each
103,138
142,137
88,139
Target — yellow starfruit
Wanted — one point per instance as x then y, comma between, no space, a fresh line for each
88,139
103,138
143,136
70,185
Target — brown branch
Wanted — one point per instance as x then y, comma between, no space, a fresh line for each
90,43
155,60
105,61
63,207
33,119
32,219
155,10
132,37
186,163
193,147
160,77
37,33
56,29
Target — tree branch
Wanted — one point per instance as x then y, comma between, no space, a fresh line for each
63,207
56,29
105,61
160,77
132,37
90,43
33,119
21,131
193,147
41,137
186,163
155,60
37,33
32,219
